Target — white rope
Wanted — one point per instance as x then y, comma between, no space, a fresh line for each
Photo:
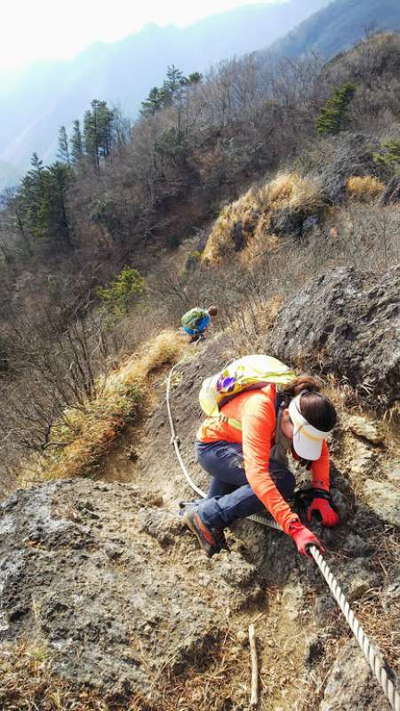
372,655
175,440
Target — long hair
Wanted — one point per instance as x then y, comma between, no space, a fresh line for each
317,409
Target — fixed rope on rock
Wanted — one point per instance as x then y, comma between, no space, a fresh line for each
371,653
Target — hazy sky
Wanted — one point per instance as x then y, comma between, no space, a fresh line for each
55,29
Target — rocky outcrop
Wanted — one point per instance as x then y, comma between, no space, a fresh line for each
347,323
391,196
352,156
87,576
384,500
350,684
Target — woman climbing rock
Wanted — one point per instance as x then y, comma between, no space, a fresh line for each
245,448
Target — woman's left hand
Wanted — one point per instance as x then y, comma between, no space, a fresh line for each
324,510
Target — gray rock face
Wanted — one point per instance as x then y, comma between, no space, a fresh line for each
366,429
353,156
350,322
384,500
391,195
350,684
86,573
288,222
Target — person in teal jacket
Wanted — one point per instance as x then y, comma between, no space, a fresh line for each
196,321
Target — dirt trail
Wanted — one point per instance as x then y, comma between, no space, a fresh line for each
299,627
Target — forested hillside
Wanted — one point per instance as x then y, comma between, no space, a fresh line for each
87,237
269,188
45,95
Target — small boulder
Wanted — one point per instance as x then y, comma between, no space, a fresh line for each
391,597
352,155
350,684
391,469
367,429
384,500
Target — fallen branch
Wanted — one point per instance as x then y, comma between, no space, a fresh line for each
254,668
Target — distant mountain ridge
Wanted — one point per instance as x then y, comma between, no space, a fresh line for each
338,26
47,95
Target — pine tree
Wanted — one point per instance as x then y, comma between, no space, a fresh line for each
63,149
90,138
31,190
173,85
195,78
390,154
54,215
76,147
334,115
41,206
97,132
153,103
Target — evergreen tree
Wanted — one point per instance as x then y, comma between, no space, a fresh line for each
195,78
172,91
76,147
31,189
36,163
97,132
63,150
173,85
41,206
390,154
333,117
126,288
90,138
153,103
55,220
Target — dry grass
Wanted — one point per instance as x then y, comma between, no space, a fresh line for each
364,189
82,436
248,326
250,216
29,683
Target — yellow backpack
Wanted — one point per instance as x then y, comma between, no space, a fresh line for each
251,372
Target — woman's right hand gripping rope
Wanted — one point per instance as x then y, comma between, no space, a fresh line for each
304,538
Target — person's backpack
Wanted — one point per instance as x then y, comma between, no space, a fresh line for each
251,372
191,318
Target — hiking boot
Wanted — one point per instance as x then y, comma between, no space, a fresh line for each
210,539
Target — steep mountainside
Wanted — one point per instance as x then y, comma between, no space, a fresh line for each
338,26
108,603
50,94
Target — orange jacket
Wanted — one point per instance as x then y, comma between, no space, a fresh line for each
255,410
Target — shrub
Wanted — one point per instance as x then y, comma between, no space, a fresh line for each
364,188
121,292
389,155
333,117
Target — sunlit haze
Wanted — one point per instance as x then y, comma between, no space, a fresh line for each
51,29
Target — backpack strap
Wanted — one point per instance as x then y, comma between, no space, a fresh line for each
236,424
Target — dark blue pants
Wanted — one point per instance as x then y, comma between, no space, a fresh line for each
230,496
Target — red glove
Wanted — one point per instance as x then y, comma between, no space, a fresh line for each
303,538
322,506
